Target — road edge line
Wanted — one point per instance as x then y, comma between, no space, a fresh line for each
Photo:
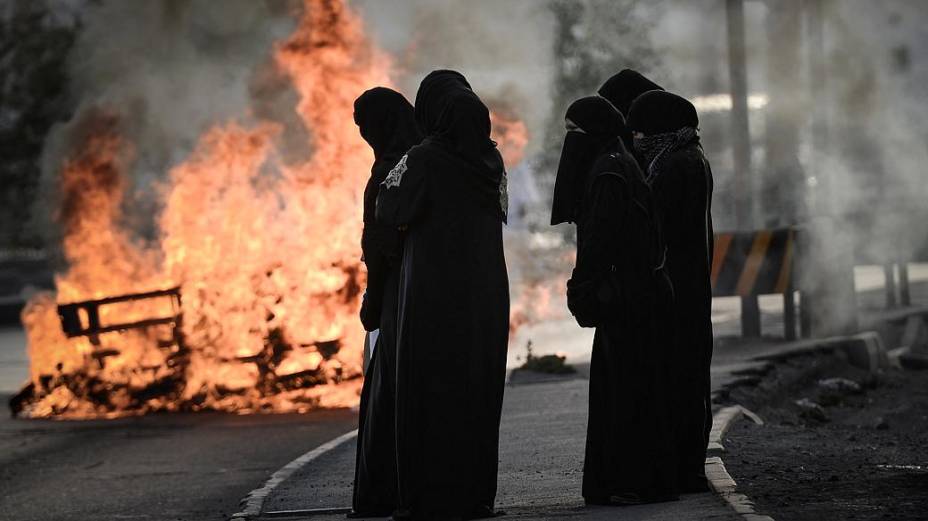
253,502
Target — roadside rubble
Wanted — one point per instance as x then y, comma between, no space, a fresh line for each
838,442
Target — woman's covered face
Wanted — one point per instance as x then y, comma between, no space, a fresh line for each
592,123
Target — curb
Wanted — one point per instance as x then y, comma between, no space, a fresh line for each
864,350
719,479
721,422
253,503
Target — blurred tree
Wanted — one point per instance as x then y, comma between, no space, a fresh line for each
34,43
593,40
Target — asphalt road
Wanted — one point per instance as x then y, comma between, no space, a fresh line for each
194,466
162,467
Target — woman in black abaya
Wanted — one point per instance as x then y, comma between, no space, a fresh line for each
449,193
667,138
618,286
387,122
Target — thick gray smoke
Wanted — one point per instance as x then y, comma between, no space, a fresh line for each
876,85
503,48
878,78
169,70
173,68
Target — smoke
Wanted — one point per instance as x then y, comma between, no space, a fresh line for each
168,71
878,84
503,48
173,68
870,173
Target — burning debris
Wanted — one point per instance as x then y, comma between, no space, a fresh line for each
265,254
510,134
243,292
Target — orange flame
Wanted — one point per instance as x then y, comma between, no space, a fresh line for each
511,136
266,254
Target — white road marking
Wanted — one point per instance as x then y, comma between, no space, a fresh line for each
254,501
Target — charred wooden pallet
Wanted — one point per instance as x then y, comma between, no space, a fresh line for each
83,318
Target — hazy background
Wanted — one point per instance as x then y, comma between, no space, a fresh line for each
177,67
174,68
181,66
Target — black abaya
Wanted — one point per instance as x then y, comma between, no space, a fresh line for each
681,179
619,287
629,446
375,488
683,191
453,317
386,120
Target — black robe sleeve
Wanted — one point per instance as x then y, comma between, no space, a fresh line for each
589,290
380,249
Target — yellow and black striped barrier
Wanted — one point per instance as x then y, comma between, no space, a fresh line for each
748,264
753,263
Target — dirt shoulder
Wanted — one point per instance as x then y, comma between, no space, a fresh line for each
847,452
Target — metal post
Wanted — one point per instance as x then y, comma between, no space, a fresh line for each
815,19
815,24
750,317
805,315
890,284
827,286
782,197
905,297
789,314
740,131
741,145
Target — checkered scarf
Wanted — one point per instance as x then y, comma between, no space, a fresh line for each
657,148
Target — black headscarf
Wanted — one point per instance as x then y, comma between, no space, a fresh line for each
668,122
449,113
622,89
593,126
387,122
659,112
453,117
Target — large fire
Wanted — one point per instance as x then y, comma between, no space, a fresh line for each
265,253
268,265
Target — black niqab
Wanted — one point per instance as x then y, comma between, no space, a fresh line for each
622,89
387,122
449,113
592,126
